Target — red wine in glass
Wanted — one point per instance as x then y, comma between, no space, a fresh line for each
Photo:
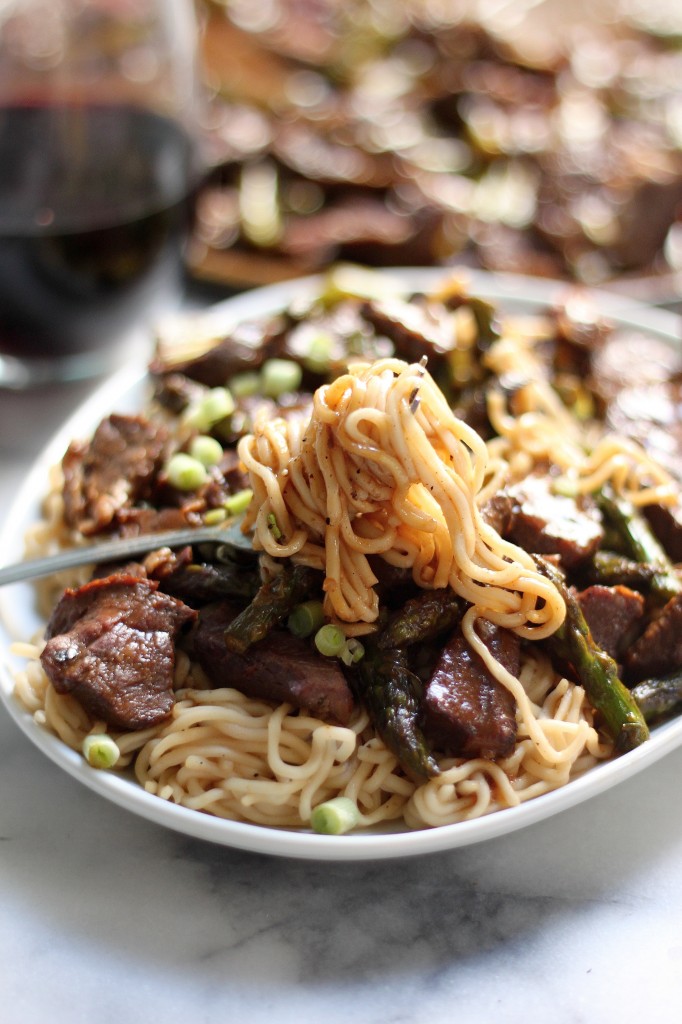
92,242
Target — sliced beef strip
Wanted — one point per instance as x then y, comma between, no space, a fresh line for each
157,565
467,712
116,469
356,228
618,364
232,471
658,650
280,668
651,414
613,615
131,522
175,392
245,349
666,523
111,645
498,512
415,331
553,524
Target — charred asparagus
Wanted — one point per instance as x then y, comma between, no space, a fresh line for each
271,605
391,694
422,618
641,544
596,671
657,698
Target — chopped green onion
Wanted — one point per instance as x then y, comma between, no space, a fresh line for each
319,352
211,408
100,750
259,210
278,376
352,652
238,502
565,487
214,516
206,450
306,618
273,526
334,817
330,640
217,404
185,473
349,280
243,385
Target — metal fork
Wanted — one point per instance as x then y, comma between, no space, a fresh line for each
121,549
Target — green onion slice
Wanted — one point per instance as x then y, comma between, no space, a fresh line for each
238,502
185,472
352,652
206,450
336,816
306,618
100,750
279,376
330,640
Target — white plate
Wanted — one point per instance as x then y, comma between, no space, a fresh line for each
18,619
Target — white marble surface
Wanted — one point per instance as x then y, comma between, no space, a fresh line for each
105,916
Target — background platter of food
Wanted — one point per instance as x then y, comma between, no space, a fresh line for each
528,137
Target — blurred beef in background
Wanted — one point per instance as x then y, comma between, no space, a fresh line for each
537,138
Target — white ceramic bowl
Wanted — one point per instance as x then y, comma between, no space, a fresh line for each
123,392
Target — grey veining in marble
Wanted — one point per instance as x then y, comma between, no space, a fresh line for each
575,919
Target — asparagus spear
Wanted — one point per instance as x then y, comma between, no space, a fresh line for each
202,582
641,544
391,694
422,618
271,605
596,670
485,315
611,570
658,697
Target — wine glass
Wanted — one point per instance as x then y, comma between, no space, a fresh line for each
100,161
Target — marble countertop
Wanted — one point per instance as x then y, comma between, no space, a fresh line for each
104,915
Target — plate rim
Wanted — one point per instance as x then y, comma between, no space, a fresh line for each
302,844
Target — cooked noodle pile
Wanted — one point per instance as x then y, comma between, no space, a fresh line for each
382,468
240,759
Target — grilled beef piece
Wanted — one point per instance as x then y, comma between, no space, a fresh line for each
613,615
176,392
650,414
280,668
414,330
658,650
498,512
131,522
618,364
246,348
111,645
156,565
553,524
467,712
666,523
115,469
307,152
362,229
